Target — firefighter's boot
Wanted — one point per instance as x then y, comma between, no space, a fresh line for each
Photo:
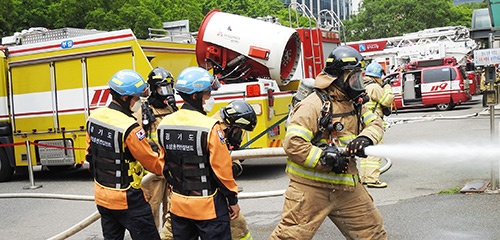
377,184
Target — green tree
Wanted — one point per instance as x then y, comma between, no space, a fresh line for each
137,15
8,15
389,18
70,13
377,18
249,8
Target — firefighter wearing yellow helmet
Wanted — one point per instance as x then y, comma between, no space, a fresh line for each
324,180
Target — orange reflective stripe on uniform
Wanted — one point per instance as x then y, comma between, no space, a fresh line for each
299,131
330,177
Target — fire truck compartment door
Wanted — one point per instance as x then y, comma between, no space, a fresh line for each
409,87
437,85
32,97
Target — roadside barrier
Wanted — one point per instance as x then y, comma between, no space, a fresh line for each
395,120
30,168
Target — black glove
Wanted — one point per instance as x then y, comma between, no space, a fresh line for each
357,146
386,111
154,146
332,157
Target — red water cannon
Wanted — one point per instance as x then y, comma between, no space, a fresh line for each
242,49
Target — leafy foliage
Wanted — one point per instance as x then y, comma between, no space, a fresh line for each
389,18
377,18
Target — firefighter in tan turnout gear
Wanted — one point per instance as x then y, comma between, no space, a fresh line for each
324,181
160,103
381,99
235,117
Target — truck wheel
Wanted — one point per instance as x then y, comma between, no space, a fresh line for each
445,106
6,171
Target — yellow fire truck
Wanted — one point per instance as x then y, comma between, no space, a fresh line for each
54,79
51,81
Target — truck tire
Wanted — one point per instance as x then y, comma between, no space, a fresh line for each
6,171
445,106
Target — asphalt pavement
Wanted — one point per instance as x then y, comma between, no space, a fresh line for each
413,206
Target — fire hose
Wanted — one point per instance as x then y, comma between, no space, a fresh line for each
236,155
394,120
280,152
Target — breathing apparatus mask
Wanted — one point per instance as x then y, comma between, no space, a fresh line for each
352,84
233,136
162,82
165,90
165,93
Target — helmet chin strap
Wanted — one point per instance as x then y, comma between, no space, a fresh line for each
125,104
195,102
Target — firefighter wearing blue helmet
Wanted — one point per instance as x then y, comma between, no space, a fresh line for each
235,118
381,99
199,165
118,151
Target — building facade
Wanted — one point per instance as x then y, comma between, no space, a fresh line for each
343,8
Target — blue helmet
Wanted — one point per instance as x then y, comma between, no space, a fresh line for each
196,79
374,69
129,83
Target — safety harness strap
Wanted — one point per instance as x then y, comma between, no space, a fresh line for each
177,171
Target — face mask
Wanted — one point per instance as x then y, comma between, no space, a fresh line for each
352,85
209,104
165,90
233,136
136,106
355,81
